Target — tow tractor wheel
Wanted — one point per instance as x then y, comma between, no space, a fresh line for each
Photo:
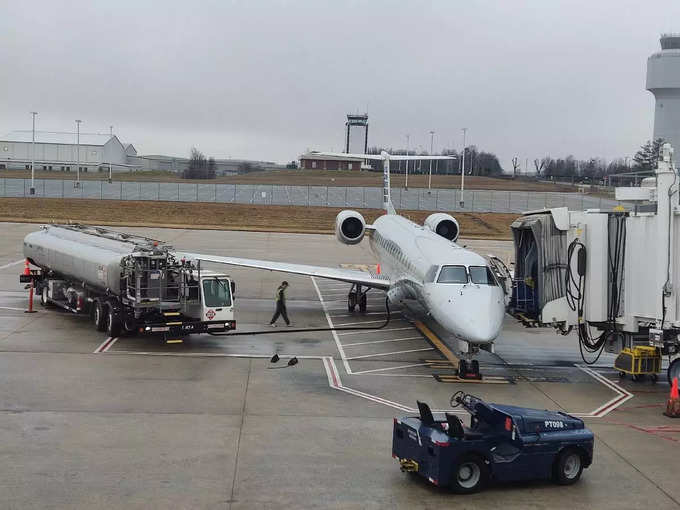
99,315
351,302
113,322
469,475
362,303
673,370
569,467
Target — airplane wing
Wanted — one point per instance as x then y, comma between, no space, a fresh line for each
331,273
399,157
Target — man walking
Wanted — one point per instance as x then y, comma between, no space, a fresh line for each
280,305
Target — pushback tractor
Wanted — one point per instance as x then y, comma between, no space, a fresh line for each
126,283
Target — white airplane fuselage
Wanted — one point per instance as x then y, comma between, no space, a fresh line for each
412,256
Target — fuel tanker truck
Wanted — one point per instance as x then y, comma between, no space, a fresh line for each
126,283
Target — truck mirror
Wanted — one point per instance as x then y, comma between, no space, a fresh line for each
233,287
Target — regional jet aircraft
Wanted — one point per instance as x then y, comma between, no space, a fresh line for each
423,263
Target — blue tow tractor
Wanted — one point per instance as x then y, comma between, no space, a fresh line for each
503,443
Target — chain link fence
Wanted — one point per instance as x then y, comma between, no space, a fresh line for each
323,196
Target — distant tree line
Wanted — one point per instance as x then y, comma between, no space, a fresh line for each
476,162
569,167
199,167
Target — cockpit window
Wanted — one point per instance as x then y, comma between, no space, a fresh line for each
431,274
482,275
453,274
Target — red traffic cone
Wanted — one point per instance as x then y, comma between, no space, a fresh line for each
27,270
673,405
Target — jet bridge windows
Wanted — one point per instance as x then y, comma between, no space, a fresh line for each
482,275
453,274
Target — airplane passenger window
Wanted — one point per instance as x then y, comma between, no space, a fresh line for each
453,274
482,275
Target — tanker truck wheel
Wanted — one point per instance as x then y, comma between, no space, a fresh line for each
99,315
114,324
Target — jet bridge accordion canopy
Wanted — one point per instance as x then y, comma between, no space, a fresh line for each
540,262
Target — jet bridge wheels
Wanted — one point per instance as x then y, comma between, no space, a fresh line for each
356,297
673,370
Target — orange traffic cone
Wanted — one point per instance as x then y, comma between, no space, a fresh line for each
27,270
673,405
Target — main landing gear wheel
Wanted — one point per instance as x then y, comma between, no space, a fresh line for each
356,297
362,303
351,302
44,301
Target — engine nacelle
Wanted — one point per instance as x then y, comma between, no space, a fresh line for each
444,225
350,227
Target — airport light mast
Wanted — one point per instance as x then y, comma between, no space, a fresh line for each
77,183
32,191
462,175
429,180
408,137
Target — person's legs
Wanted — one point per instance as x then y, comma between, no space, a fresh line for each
276,314
284,314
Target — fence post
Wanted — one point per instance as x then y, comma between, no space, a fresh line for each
44,188
62,188
101,190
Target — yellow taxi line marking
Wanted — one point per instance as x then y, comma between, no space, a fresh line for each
437,342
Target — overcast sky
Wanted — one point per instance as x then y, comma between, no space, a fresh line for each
270,79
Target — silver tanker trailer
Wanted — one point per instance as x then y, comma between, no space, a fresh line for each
127,283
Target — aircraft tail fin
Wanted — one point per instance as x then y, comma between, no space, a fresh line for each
387,196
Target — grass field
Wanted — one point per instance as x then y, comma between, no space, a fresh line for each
221,216
312,178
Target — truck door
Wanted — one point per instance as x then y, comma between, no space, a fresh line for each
217,303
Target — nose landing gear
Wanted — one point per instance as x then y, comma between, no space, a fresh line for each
356,296
469,368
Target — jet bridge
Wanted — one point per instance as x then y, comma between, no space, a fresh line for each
613,276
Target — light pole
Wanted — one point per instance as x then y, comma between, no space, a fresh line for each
77,183
429,180
110,170
32,191
408,137
462,175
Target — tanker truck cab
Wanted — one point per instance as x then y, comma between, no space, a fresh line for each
217,303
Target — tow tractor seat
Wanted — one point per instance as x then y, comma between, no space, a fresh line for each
458,431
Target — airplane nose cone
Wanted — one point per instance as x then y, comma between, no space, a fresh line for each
474,314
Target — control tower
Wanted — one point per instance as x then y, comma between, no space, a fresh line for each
663,80
357,124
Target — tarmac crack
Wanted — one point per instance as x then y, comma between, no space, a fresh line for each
231,499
